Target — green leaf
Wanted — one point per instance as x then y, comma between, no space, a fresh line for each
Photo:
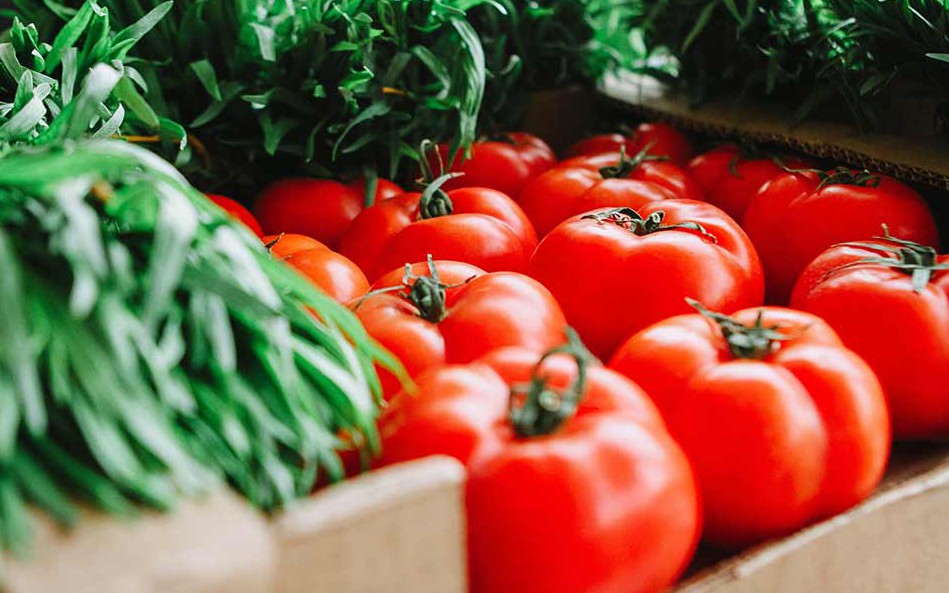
204,70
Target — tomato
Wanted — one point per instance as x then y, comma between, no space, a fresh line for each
329,271
660,139
796,216
616,271
586,494
731,178
479,226
316,208
582,184
784,426
504,164
598,144
286,244
451,312
385,189
236,210
889,301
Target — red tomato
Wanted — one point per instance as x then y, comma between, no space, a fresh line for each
889,302
592,495
582,184
504,165
784,426
597,145
286,244
796,216
313,207
385,189
451,312
333,273
660,140
237,211
732,179
644,167
616,271
479,226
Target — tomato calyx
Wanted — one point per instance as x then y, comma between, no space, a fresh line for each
536,409
917,260
754,342
426,293
434,201
627,165
632,221
269,246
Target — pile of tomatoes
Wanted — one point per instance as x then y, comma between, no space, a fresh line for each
635,348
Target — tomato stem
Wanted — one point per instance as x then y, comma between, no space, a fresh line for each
434,202
744,341
535,408
917,260
632,221
627,165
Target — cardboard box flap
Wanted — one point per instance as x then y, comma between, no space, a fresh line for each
400,529
919,160
216,545
894,542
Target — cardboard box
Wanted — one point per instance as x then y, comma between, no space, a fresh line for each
400,529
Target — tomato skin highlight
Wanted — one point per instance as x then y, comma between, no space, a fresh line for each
331,272
903,335
612,283
661,140
731,180
607,503
238,211
594,145
665,174
501,165
805,429
316,208
385,189
483,312
792,220
486,229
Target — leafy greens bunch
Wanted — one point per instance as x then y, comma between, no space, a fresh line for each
151,346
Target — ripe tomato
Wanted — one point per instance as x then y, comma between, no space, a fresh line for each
616,271
731,178
286,244
598,144
385,189
316,208
582,184
451,312
796,216
479,226
504,164
333,273
236,210
783,424
573,482
888,300
660,139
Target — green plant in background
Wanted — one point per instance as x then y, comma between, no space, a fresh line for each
152,347
272,88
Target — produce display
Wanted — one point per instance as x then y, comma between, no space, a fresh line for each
269,245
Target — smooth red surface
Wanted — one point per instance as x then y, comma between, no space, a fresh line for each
504,166
286,244
333,273
385,189
903,335
483,313
313,207
612,283
662,140
237,211
607,503
487,229
776,443
598,144
731,180
792,220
